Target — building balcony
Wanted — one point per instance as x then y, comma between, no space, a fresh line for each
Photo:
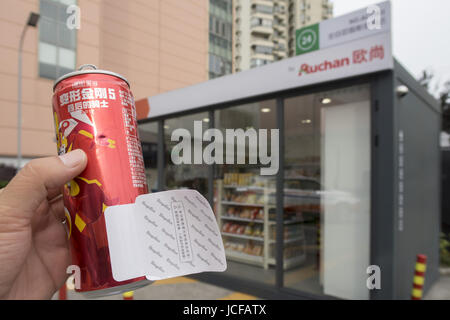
262,56
279,22
262,9
279,47
280,51
280,41
261,15
262,30
262,2
280,55
256,41
279,10
279,26
279,36
326,4
254,63
280,14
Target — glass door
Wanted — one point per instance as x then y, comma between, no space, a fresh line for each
327,192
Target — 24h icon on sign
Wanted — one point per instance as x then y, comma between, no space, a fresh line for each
307,39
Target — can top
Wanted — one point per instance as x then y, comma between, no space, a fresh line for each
84,70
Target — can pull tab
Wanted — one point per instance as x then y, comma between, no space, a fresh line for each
87,66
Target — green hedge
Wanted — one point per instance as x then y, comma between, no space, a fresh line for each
445,250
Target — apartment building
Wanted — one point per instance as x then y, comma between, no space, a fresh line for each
159,45
264,30
220,37
305,12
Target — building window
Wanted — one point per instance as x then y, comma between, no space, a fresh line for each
263,49
261,22
57,43
218,66
262,9
258,62
220,37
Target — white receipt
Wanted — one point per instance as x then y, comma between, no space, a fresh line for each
164,235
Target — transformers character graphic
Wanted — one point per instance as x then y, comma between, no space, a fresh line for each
84,198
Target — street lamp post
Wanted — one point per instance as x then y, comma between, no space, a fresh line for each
32,22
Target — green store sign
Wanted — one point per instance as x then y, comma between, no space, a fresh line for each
307,39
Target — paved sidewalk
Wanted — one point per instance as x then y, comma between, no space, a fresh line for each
181,288
440,290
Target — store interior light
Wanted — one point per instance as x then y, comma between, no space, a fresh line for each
206,120
166,127
265,110
326,100
306,121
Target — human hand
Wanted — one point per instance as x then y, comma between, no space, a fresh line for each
34,249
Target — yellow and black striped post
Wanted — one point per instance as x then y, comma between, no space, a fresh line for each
128,295
419,277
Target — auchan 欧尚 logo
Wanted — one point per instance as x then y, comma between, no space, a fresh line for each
359,56
326,65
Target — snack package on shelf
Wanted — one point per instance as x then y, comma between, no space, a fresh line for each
238,179
289,252
226,227
248,247
243,229
290,232
233,228
245,213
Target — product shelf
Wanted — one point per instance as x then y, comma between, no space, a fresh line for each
271,222
265,193
242,236
232,203
242,219
244,257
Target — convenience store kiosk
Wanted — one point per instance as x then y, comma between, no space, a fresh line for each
382,150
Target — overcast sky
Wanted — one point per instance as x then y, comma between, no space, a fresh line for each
421,32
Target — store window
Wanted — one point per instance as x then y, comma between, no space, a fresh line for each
327,192
57,43
148,134
192,173
244,201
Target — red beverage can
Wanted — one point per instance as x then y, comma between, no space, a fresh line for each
94,111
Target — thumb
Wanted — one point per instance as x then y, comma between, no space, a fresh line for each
26,191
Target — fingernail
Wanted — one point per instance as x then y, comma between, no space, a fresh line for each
73,158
